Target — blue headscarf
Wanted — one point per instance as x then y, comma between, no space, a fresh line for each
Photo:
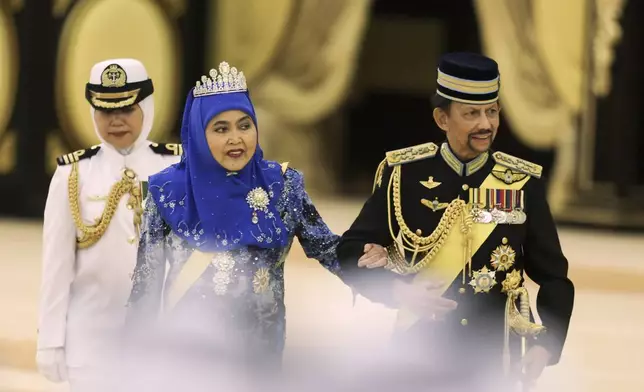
208,206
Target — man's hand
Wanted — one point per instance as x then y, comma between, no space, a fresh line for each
374,256
52,364
424,299
533,363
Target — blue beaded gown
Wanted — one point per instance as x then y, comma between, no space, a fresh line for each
234,310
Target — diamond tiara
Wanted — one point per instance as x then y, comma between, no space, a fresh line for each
227,80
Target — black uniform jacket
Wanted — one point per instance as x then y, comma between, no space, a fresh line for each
430,178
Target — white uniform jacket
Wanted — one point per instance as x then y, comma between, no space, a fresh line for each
85,291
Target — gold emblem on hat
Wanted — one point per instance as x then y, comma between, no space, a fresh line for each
483,280
113,76
503,257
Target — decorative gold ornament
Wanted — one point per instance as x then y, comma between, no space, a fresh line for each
508,176
430,183
519,320
457,211
113,76
90,234
261,280
503,257
483,280
511,282
517,164
434,205
411,154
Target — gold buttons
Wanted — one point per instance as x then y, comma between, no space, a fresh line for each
129,174
131,240
130,206
464,322
504,241
419,232
461,290
465,187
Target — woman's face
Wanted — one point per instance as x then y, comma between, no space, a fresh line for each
232,139
120,127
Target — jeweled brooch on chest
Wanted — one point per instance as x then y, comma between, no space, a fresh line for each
258,200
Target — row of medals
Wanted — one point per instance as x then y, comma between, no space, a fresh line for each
514,217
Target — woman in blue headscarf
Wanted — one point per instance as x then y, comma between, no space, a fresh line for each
223,220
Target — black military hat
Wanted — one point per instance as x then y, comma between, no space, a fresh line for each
117,84
468,78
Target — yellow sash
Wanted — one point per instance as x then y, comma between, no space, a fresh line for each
448,262
191,271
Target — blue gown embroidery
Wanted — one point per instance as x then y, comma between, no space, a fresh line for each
241,292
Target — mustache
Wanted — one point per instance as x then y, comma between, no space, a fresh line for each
483,132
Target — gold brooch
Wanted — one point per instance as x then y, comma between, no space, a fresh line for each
508,176
434,205
257,199
511,282
503,257
261,280
483,280
430,183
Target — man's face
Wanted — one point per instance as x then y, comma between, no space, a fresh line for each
470,129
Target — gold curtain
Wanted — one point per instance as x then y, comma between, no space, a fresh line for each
299,57
607,34
539,46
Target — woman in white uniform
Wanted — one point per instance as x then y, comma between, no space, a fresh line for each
91,228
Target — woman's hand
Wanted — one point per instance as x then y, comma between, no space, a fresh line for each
374,256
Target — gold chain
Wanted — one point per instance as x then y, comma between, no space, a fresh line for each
432,243
90,234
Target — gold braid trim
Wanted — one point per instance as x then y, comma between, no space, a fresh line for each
90,234
377,180
431,244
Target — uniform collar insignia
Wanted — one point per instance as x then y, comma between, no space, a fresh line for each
463,169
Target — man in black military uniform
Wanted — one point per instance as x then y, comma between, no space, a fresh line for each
456,226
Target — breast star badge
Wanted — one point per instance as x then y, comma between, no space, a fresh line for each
483,280
503,257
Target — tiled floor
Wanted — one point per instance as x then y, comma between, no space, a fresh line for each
604,352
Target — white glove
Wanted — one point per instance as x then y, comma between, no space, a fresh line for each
51,364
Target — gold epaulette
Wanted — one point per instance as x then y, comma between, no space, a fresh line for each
411,154
76,156
167,148
518,164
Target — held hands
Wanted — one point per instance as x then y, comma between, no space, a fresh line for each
374,256
424,299
52,364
